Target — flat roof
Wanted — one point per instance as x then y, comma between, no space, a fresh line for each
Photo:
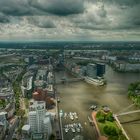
3,113
26,127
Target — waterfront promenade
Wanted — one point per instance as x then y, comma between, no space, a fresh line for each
99,136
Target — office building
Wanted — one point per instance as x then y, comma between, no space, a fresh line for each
100,69
91,70
40,123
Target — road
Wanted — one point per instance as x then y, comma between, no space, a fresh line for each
12,129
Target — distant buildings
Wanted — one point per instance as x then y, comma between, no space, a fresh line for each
28,87
41,79
89,69
44,95
7,97
129,67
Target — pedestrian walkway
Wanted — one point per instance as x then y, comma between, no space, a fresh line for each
100,137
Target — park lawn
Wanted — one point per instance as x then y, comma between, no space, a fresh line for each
101,126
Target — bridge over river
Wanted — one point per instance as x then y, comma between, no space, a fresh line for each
123,113
65,80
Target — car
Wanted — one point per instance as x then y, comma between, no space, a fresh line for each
65,115
58,100
66,130
93,107
79,125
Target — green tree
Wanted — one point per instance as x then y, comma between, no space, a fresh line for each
52,137
100,116
109,117
110,130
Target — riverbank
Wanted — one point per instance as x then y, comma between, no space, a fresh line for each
114,94
134,93
100,137
107,126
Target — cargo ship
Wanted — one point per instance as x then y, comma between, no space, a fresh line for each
97,82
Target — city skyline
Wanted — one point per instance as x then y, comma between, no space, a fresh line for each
81,20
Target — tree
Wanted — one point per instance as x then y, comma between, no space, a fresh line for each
2,102
100,116
52,137
109,117
110,130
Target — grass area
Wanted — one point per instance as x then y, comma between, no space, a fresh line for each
10,59
2,103
134,92
108,127
102,125
17,89
26,101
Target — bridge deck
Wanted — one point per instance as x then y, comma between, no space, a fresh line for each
129,112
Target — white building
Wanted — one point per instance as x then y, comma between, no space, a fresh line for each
28,88
38,121
50,78
36,116
3,120
91,70
26,132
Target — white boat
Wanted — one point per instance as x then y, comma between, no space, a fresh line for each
78,129
71,117
66,130
96,82
75,115
73,130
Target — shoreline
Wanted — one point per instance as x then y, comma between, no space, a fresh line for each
100,137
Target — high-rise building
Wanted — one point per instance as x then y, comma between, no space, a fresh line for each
36,116
91,70
40,123
100,69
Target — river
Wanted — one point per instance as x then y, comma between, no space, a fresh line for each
79,96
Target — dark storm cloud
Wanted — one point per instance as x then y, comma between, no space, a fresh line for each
119,2
41,7
4,18
59,7
15,7
69,17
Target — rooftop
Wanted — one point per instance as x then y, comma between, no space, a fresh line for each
26,127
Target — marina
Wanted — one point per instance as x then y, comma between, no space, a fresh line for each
82,96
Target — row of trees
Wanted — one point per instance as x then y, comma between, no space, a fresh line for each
17,91
17,88
2,103
134,92
102,117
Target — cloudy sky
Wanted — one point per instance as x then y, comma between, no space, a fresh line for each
96,20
